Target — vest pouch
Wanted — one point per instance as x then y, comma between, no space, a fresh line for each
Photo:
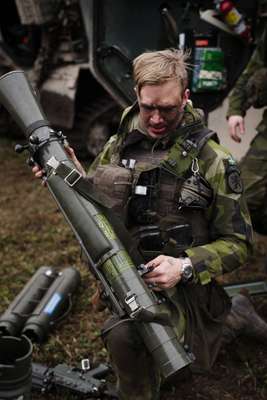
180,235
150,238
149,241
153,241
195,193
115,182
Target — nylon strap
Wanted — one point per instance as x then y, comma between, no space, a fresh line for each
86,189
83,186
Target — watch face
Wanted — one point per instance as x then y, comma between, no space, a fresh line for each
187,272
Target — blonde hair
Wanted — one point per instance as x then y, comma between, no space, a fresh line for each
157,67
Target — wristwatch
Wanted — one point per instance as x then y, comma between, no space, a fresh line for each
186,270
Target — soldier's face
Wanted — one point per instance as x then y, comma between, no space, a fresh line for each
161,107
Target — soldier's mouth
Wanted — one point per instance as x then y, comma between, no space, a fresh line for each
158,130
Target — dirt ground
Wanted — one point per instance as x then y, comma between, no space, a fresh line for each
33,233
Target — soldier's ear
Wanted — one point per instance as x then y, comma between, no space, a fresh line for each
186,96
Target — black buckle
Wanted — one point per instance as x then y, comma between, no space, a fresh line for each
73,177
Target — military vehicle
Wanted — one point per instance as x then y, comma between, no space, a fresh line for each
78,54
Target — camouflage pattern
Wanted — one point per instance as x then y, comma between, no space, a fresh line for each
228,217
254,175
251,90
238,102
198,310
137,378
256,89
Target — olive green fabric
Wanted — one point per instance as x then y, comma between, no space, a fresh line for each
254,175
137,377
238,100
254,164
198,309
228,218
256,89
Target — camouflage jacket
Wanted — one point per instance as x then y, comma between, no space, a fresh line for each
227,216
239,100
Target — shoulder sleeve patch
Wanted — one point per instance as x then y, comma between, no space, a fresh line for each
232,175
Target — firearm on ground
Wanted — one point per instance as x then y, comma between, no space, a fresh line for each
82,382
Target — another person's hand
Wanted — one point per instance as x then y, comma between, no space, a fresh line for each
166,272
236,125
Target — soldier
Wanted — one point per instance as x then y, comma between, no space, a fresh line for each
251,90
180,195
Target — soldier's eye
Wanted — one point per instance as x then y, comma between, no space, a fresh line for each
168,110
147,107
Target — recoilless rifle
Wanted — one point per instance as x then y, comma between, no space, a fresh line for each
103,239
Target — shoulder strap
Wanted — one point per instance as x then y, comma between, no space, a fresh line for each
184,151
196,140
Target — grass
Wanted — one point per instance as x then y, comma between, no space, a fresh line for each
33,233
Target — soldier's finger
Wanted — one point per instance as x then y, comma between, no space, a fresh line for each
156,261
234,133
39,174
71,153
152,275
35,169
236,138
68,149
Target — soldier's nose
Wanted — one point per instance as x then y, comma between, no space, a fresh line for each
156,117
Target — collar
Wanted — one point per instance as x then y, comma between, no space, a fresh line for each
129,127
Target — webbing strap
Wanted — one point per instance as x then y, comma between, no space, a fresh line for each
84,187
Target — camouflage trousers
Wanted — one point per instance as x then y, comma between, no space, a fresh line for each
197,315
254,174
138,378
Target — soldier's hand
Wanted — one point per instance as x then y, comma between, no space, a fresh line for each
236,127
166,272
71,153
39,173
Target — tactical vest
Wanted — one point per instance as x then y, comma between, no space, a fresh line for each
160,192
